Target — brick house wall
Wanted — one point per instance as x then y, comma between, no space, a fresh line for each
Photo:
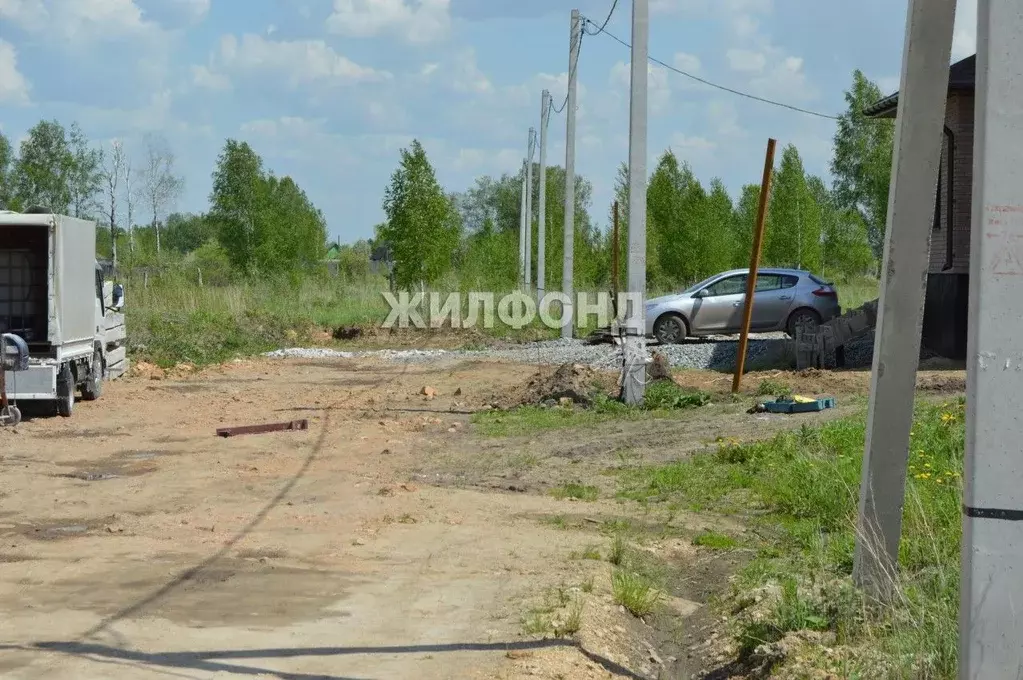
959,119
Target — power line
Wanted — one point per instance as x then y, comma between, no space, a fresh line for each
610,14
602,29
571,73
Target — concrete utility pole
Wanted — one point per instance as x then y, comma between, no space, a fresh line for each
541,219
634,370
918,136
567,286
990,635
522,230
529,208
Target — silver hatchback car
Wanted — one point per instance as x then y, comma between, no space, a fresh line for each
784,298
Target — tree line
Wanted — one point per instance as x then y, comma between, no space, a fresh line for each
260,224
257,222
692,231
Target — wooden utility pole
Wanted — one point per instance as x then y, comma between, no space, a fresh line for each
615,261
754,264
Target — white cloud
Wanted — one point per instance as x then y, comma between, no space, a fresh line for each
724,117
29,15
13,86
658,85
203,77
195,9
772,71
687,62
746,61
79,20
723,7
415,21
691,144
964,39
298,62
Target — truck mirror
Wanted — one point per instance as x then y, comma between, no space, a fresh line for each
118,296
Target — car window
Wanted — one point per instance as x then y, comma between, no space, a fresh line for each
729,286
789,281
767,282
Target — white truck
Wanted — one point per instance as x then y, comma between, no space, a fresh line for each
56,309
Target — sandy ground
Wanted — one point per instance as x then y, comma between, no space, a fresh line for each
388,540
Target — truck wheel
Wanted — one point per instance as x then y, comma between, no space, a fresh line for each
65,391
10,416
92,388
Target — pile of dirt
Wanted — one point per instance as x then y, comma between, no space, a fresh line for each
144,369
576,382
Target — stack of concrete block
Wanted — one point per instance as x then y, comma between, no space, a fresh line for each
823,348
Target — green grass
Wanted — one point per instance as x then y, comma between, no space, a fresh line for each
807,481
635,592
171,318
715,540
668,395
616,553
853,292
582,492
664,399
773,388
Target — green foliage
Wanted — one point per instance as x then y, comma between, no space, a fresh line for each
43,171
423,228
794,221
6,176
862,160
185,232
667,394
267,225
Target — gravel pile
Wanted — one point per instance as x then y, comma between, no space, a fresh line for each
718,354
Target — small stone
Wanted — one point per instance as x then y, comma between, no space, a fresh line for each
428,392
358,541
458,392
565,401
385,452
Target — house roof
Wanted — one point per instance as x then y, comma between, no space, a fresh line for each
962,77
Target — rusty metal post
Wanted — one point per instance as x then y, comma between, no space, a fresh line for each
615,261
754,265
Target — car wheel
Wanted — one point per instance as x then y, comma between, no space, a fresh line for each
807,319
670,329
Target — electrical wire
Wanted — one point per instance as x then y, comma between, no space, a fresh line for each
603,29
571,71
614,6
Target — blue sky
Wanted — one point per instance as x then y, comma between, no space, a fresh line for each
328,91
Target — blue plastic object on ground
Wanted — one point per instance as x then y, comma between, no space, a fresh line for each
790,406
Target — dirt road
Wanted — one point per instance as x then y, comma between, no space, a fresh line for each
387,541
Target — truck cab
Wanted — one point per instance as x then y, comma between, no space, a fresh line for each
56,307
